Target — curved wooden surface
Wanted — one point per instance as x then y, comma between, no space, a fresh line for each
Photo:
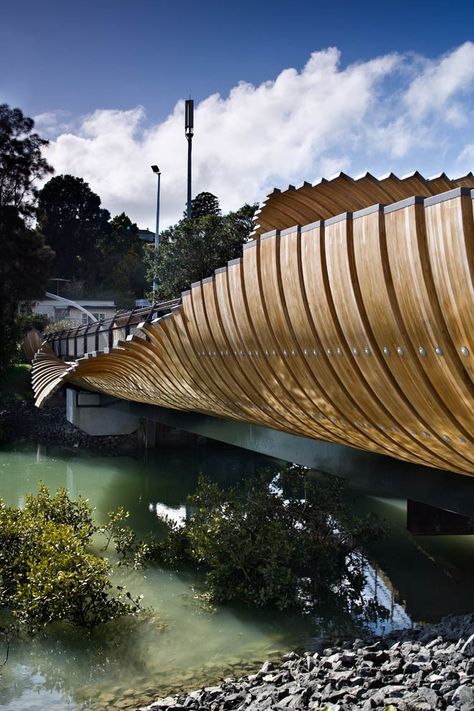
356,329
328,198
31,343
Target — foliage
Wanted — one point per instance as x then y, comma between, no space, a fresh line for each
192,249
47,573
73,222
121,258
63,324
101,256
21,162
26,322
130,549
25,263
205,204
25,260
15,383
296,549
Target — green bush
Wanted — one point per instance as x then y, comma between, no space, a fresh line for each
63,325
26,322
294,546
47,573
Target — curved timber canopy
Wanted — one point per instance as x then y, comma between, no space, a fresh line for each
348,318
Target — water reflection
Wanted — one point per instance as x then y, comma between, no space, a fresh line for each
183,643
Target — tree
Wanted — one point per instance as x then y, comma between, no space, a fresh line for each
47,571
25,263
205,204
74,224
21,160
24,259
122,268
291,543
192,249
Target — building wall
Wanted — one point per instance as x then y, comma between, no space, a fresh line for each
56,311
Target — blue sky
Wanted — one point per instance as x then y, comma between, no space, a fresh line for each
105,78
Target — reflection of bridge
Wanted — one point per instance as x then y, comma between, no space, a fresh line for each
355,327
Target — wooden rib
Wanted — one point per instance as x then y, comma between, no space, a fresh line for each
301,334
328,198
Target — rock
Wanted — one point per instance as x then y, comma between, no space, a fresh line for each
380,695
414,670
231,700
391,666
348,659
468,647
411,668
464,695
434,678
377,658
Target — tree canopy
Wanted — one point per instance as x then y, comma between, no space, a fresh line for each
192,249
100,255
25,263
21,160
121,260
205,204
25,260
73,223
47,569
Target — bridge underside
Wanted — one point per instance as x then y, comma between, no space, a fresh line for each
356,330
368,473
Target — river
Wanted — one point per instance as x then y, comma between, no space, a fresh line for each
183,644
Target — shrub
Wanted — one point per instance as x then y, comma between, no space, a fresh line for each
47,573
294,546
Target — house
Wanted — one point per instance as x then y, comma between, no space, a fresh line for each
59,311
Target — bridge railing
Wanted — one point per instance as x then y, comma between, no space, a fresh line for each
75,342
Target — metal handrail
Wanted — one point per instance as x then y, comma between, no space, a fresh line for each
105,330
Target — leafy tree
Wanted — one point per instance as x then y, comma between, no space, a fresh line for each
293,547
47,573
205,204
21,161
74,224
192,249
25,263
24,260
122,268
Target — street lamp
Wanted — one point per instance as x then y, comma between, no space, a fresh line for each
156,170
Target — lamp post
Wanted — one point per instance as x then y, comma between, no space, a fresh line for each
156,170
189,131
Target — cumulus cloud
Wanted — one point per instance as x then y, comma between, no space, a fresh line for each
441,84
393,112
52,123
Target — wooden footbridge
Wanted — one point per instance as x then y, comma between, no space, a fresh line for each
348,318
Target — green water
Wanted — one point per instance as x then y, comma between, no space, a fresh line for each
185,645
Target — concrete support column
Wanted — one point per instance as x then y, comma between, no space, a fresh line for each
94,414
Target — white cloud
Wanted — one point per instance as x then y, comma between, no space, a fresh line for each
51,123
440,82
466,158
393,112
